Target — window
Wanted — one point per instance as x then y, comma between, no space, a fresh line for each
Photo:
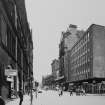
3,30
11,7
88,36
13,46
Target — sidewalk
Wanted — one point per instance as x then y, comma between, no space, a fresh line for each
26,101
95,94
87,94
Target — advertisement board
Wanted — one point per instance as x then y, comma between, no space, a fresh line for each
10,72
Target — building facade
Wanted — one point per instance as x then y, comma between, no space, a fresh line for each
55,68
87,60
68,39
14,46
48,81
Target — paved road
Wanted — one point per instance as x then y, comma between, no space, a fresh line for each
52,98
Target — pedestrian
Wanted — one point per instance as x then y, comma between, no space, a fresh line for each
36,93
59,92
20,96
31,97
4,94
71,92
83,92
77,91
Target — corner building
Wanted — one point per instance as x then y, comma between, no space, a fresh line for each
87,60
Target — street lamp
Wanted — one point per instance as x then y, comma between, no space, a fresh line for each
93,90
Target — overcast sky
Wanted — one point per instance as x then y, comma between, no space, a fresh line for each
48,18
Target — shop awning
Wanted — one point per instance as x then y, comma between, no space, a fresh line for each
59,78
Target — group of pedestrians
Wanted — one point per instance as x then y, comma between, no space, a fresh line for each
60,91
78,91
4,92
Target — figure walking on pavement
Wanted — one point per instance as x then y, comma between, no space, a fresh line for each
71,92
21,96
31,98
36,93
60,91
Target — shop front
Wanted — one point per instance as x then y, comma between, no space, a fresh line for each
59,81
4,61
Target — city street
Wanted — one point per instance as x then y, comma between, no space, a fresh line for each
52,98
52,45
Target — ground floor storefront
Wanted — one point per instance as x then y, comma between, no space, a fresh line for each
91,86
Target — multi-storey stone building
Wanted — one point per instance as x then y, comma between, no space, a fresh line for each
55,71
55,68
68,39
48,81
87,60
16,45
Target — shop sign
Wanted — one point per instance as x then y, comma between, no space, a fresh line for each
10,78
10,72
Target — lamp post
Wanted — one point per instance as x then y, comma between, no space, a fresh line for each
93,85
31,83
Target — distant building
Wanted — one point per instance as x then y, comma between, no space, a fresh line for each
55,68
48,81
68,39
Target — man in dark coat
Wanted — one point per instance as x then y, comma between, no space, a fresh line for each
2,102
21,96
